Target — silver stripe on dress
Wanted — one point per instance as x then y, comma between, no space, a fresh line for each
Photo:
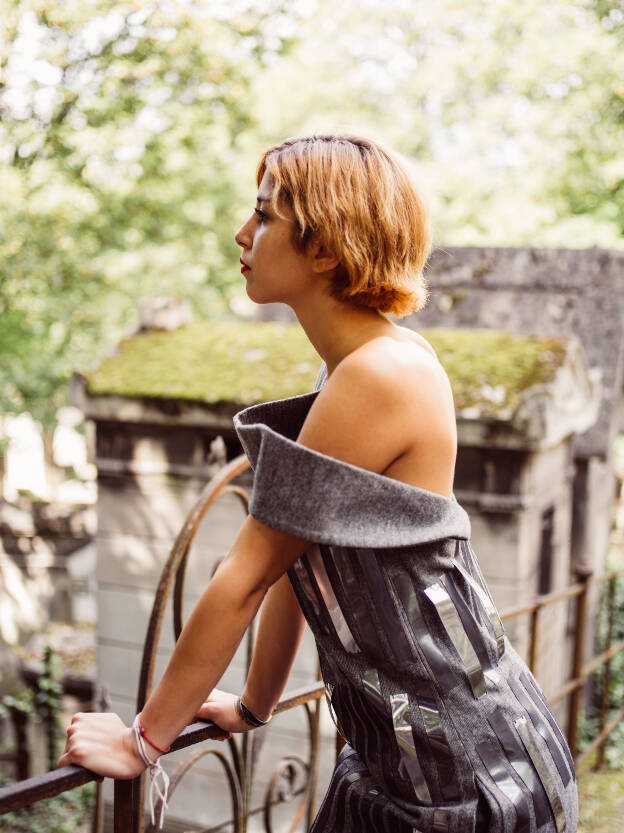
433,724
359,602
440,747
331,602
458,636
490,608
538,715
493,761
438,662
405,740
543,771
306,585
329,693
440,821
538,697
520,761
370,679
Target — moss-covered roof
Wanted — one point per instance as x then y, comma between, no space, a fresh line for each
211,362
245,363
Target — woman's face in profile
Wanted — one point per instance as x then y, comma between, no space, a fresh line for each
274,270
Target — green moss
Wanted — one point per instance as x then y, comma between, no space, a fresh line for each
490,369
211,362
244,363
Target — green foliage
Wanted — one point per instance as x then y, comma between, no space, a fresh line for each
65,812
129,132
48,701
589,724
120,126
61,814
20,700
614,751
512,111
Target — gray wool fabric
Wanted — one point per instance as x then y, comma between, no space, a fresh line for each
447,731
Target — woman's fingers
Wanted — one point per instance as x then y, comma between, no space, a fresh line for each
103,744
220,708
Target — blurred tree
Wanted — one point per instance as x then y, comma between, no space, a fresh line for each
590,182
119,170
129,131
512,111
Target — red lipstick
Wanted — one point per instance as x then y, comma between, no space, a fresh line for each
244,267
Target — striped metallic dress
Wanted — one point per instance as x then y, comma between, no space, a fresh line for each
446,729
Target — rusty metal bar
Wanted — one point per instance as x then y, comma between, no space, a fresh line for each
577,665
533,642
299,696
208,496
599,660
314,717
567,689
588,669
602,737
543,601
123,818
58,781
558,596
20,756
606,674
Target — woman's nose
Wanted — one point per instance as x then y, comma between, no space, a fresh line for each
243,236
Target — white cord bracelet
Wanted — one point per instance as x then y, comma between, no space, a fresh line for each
159,785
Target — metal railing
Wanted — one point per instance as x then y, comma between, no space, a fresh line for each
294,775
580,670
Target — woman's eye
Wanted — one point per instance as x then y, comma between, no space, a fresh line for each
260,214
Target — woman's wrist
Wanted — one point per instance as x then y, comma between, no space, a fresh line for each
261,713
132,750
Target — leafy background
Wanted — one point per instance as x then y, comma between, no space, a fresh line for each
129,134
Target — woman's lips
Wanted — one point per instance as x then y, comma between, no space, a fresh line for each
244,267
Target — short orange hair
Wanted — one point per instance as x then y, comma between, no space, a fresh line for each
359,201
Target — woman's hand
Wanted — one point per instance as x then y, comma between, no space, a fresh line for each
102,743
220,708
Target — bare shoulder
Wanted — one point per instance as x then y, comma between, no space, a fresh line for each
384,399
404,371
416,338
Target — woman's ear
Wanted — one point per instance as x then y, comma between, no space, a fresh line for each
323,260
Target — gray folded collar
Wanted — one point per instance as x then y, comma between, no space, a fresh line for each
319,498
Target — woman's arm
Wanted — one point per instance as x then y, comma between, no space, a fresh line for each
259,556
279,634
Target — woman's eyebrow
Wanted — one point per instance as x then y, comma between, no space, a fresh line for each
261,198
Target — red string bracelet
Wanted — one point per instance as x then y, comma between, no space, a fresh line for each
151,742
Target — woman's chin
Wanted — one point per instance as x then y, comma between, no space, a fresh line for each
259,297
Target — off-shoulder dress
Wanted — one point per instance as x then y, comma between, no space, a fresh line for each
447,730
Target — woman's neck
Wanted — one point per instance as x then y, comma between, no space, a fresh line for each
337,328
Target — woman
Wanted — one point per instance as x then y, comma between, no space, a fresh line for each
354,527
